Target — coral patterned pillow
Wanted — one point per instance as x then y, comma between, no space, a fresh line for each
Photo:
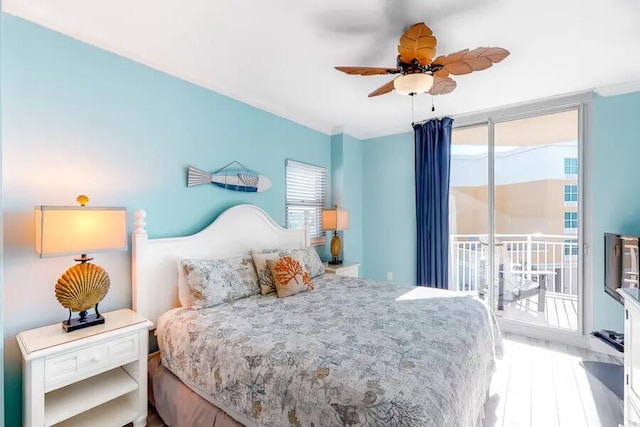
310,259
289,276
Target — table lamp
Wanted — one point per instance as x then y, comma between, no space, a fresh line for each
65,230
335,219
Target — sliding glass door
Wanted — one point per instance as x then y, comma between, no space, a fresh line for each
515,217
469,209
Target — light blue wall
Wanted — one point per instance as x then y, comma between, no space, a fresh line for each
615,181
81,120
347,188
389,212
337,169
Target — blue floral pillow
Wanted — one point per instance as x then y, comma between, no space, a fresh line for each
216,281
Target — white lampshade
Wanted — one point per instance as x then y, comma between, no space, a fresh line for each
63,230
408,84
335,219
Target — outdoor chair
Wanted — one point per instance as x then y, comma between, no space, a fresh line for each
512,284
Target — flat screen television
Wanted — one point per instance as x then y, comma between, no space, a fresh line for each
620,263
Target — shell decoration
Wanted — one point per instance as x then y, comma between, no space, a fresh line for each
82,286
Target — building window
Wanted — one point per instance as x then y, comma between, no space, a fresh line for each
570,247
571,166
306,193
570,220
570,193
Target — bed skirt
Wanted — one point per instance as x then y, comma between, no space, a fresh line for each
178,405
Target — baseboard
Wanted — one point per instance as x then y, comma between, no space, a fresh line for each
561,336
558,335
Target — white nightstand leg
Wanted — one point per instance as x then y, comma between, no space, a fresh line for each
138,371
33,393
140,422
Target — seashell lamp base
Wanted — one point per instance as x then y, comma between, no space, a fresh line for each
84,321
79,289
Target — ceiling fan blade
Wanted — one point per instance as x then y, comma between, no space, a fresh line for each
442,86
443,72
467,61
385,88
418,43
367,71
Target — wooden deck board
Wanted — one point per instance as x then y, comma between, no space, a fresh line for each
560,311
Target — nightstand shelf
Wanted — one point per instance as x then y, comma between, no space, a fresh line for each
351,269
63,403
117,412
94,376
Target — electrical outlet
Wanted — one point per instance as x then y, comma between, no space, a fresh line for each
389,275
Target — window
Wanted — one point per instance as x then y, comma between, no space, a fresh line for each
306,192
570,220
570,193
570,166
570,247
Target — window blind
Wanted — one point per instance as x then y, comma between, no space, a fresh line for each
306,192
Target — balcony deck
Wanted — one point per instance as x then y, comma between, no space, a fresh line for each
561,311
522,258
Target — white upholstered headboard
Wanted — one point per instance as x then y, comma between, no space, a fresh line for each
235,232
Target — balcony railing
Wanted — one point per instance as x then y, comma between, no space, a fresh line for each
527,252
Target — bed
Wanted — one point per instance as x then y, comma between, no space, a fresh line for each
350,352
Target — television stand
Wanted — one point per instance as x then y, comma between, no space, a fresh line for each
614,339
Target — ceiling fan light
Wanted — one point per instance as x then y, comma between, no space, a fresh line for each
417,83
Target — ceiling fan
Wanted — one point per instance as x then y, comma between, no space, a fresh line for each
420,73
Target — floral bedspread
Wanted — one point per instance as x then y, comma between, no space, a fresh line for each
351,352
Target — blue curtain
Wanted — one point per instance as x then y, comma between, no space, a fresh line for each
433,164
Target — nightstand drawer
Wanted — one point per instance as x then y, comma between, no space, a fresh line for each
73,366
348,272
123,349
344,270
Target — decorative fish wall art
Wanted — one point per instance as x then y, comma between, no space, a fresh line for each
234,176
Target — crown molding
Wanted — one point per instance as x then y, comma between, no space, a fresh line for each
618,89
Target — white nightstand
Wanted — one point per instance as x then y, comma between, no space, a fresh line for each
345,269
95,376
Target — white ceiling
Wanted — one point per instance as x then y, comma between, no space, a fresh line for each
279,55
